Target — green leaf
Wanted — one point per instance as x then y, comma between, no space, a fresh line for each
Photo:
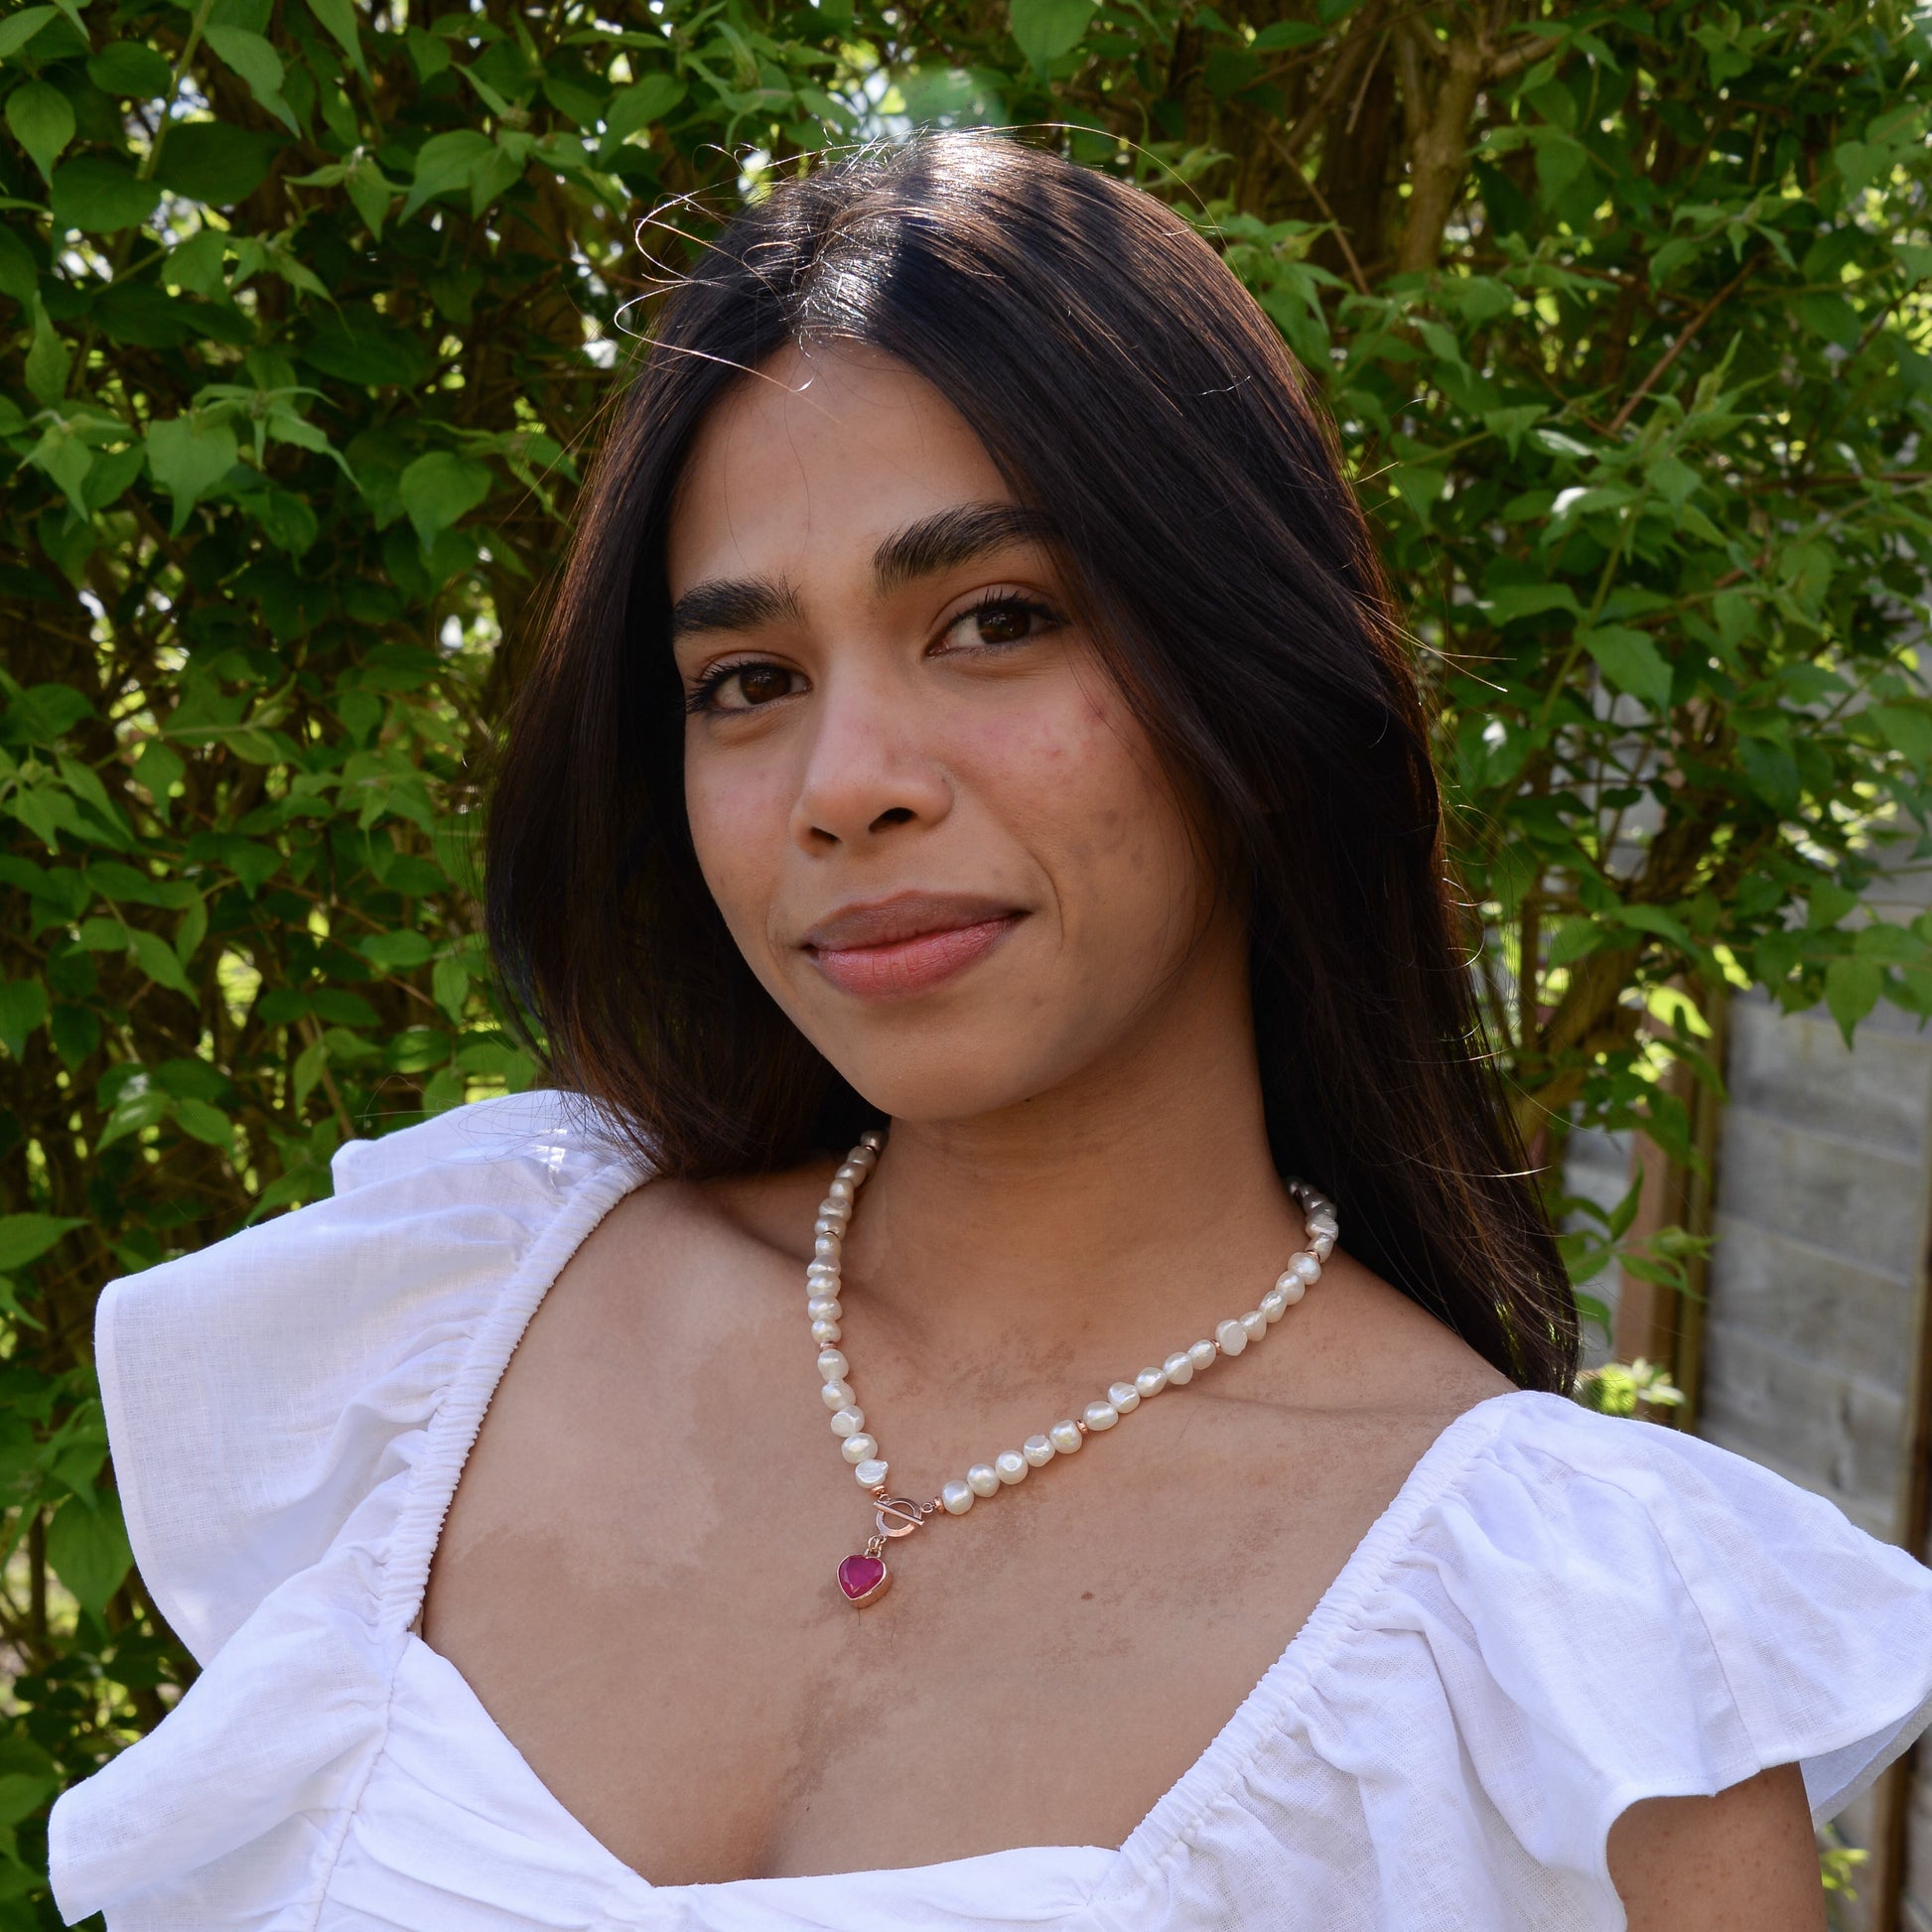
446,162
439,489
218,163
205,1122
100,196
49,359
88,1548
26,1237
1631,661
156,958
20,28
23,1006
1907,729
395,952
130,68
187,457
1515,601
1829,316
1852,990
639,106
42,122
257,63
339,22
1046,29
449,986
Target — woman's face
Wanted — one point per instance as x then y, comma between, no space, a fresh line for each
927,814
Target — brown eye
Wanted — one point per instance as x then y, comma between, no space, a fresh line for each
761,683
1005,624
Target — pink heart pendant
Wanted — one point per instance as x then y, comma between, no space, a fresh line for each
863,1579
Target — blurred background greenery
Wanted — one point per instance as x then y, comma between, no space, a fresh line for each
311,311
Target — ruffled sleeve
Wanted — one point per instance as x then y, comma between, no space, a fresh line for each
1561,1614
288,1413
1617,1612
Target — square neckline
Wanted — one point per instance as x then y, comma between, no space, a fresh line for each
453,1433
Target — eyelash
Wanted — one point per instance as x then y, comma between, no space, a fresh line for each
703,694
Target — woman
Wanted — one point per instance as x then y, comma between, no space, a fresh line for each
972,732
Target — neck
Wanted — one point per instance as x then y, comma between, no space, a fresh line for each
1135,1199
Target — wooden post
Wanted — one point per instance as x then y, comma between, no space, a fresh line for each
1654,1322
1911,1525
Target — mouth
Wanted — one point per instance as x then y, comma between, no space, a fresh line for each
898,947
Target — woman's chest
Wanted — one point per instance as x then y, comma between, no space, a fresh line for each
665,1642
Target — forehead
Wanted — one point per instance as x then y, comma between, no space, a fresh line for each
808,463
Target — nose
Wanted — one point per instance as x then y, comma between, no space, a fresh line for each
868,767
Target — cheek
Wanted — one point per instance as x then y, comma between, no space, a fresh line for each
739,811
1081,785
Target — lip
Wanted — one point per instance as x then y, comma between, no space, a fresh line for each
896,947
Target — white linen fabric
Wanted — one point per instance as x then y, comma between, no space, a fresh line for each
1560,1613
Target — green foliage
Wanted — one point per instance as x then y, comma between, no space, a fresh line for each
309,313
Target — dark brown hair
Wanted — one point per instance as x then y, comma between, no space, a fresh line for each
1119,376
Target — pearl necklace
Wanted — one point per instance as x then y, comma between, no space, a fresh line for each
864,1579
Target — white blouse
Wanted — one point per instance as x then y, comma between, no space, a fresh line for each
1560,1613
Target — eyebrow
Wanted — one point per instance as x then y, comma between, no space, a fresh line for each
944,540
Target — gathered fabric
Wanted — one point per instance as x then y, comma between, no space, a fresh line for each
1558,1614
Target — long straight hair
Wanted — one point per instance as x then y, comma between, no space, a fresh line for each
1122,381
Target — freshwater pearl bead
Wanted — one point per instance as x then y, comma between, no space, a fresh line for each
825,1312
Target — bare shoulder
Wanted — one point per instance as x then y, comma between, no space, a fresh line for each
1380,1352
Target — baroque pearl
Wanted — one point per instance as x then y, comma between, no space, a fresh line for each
859,1448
